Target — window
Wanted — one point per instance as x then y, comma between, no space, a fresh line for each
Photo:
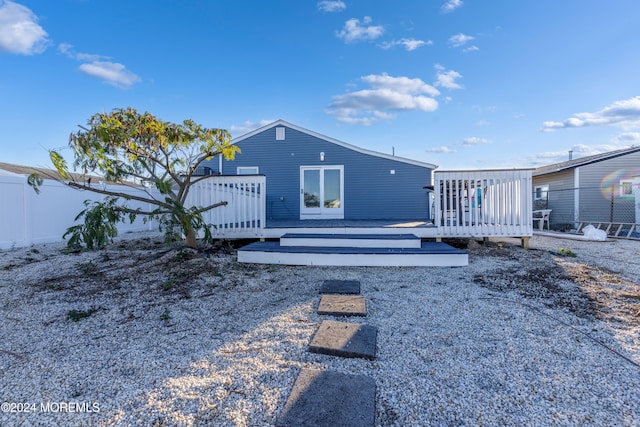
280,134
626,188
247,170
541,192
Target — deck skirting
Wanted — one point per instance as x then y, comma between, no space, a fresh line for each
429,254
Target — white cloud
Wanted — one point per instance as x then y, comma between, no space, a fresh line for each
248,126
484,109
483,123
471,49
442,149
353,31
331,6
451,5
19,30
460,40
474,140
408,44
99,66
578,151
400,84
111,72
68,50
386,95
632,138
447,79
622,114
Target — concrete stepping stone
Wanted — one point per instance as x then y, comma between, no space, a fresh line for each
345,340
340,287
327,398
342,305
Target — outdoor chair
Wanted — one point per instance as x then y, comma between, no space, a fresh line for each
542,216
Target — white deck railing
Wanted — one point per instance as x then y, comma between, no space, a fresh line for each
245,212
483,203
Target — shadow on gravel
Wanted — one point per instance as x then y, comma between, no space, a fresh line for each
559,281
193,337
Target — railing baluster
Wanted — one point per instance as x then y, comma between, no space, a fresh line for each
483,203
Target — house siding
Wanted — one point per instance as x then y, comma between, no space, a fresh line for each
600,199
561,196
596,181
371,191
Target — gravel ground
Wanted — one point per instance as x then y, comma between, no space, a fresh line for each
138,334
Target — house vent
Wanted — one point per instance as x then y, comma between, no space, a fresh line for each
280,134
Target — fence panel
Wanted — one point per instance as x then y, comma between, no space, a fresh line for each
591,205
244,215
28,218
483,203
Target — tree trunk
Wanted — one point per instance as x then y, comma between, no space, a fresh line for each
190,239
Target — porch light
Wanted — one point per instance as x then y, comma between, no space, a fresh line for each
322,156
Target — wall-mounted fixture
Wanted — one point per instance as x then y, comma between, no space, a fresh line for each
322,156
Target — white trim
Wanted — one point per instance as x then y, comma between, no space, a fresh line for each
322,212
358,260
257,170
350,241
333,141
544,189
576,195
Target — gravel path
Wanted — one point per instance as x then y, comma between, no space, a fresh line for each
163,337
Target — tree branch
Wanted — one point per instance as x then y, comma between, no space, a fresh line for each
117,194
215,205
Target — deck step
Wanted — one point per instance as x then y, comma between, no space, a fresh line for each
429,254
351,240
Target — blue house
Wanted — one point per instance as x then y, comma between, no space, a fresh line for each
314,177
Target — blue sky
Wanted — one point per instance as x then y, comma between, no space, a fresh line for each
463,84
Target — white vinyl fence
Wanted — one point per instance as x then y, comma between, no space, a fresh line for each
27,218
244,216
483,203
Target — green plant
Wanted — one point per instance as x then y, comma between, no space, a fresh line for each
88,268
125,146
168,284
166,315
99,225
566,252
77,315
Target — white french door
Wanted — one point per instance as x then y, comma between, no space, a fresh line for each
321,192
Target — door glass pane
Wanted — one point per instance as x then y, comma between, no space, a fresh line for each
311,188
332,188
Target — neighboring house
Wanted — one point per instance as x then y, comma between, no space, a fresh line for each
312,176
597,188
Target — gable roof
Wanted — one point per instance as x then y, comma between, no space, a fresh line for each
570,164
333,141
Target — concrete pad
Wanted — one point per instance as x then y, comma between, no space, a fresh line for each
345,340
340,287
326,398
342,305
